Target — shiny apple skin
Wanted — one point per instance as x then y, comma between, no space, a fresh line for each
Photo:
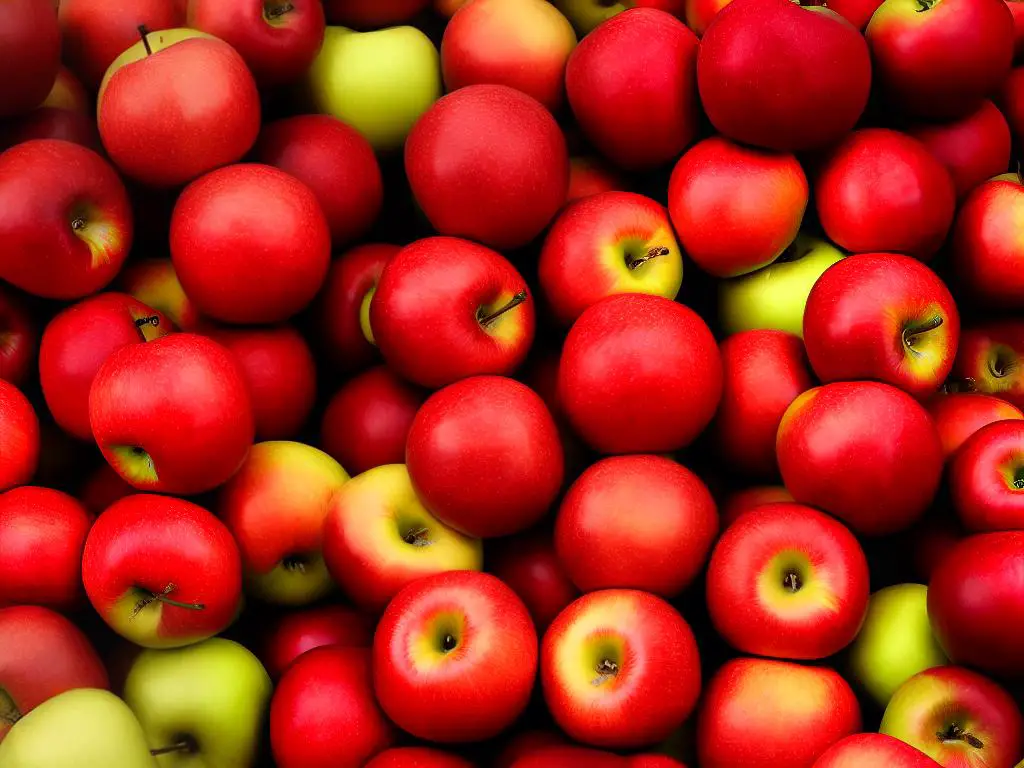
296,632
417,757
986,245
30,49
984,477
739,503
19,436
527,562
873,749
959,415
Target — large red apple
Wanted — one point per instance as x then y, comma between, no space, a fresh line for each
986,248
529,565
19,437
294,633
986,478
30,48
990,359
873,749
959,415
18,338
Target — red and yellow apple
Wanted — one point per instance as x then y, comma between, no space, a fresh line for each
959,415
155,283
986,247
19,437
986,478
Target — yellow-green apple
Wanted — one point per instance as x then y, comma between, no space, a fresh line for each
602,545
166,91
700,13
619,669
68,221
958,415
761,713
523,44
204,704
19,339
736,208
378,82
149,402
873,749
367,14
896,641
586,15
68,93
488,163
775,297
528,563
589,176
155,283
605,244
640,64
738,503
985,244
378,537
988,360
986,478
957,717
455,657
849,447
294,633
417,757
44,656
275,507
19,437
30,48
478,319
162,572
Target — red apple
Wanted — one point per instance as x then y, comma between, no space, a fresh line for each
1017,11
51,123
738,503
570,756
68,222
102,488
989,360
857,12
18,339
447,308
589,176
19,437
526,743
528,564
985,244
367,14
631,84
454,657
986,478
155,283
417,757
873,749
959,415
933,540
1011,102
488,163
30,43
639,374
293,634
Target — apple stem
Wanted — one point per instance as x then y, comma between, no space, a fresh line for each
926,5
10,717
956,733
792,581
153,320
448,643
181,746
516,300
417,537
910,334
78,223
606,670
653,253
279,10
954,385
150,597
143,32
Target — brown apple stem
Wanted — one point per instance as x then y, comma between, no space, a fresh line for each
792,581
153,320
910,334
516,300
653,253
956,733
151,597
279,10
181,746
448,643
143,32
78,223
606,670
417,537
295,563
9,714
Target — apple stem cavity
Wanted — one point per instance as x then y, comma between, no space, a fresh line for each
143,33
277,11
150,597
912,333
653,253
606,670
78,223
185,744
417,537
448,643
956,733
792,581
514,302
926,5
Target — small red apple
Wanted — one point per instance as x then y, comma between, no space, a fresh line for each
293,634
700,13
528,564
959,415
985,244
986,478
30,48
18,338
19,437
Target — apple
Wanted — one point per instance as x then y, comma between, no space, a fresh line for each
602,544
739,503
155,283
1017,11
523,44
250,244
959,415
19,437
367,421
988,360
857,12
294,633
527,563
454,657
587,15
631,86
570,756
378,537
372,13
984,244
863,451
446,308
700,13
18,338
31,44
166,91
527,743
68,226
1010,100
323,713
589,176
639,374
956,717
863,749
933,540
605,244
332,159
102,488
51,123
417,757
378,82
986,478
445,8
68,93
488,163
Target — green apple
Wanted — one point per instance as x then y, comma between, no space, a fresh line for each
379,82
80,728
152,42
201,706
775,297
895,641
587,14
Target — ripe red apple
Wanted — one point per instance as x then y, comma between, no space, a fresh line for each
738,503
332,159
367,421
985,244
882,190
632,88
162,572
918,68
454,657
986,478
602,545
884,317
620,669
417,757
488,163
570,756
989,360
764,371
18,338
294,633
19,437
368,14
155,283
102,488
606,244
866,452
736,208
871,749
528,564
30,47
1011,102
1017,11
172,415
639,374
68,222
959,415
447,308
760,713
186,92
589,176
51,123
857,12
323,714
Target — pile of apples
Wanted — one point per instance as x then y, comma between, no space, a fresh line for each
571,384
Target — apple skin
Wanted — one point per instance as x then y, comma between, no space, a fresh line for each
323,713
19,339
68,226
1010,100
102,488
632,88
417,757
485,457
760,713
527,563
367,14
940,710
526,743
488,163
51,123
989,360
918,70
376,536
852,448
570,756
736,208
883,191
986,477
700,13
1017,11
984,245
523,44
602,545
332,159
155,283
149,401
20,429
427,312
30,41
630,344
857,12
589,176
44,656
873,749
170,99
739,503
68,93
587,15
959,415
764,371
294,633
77,342
367,421
606,244
455,657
